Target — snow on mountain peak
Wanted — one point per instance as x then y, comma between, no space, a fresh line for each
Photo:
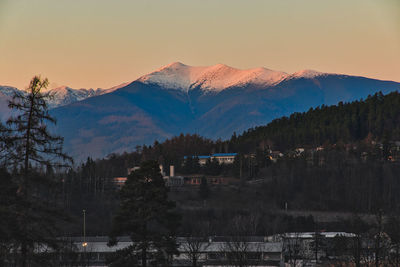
175,76
173,65
9,90
64,95
307,74
212,78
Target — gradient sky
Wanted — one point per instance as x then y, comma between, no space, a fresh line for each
102,43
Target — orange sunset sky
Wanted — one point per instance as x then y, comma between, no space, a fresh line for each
102,43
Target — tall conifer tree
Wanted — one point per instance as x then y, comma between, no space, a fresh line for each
148,217
31,147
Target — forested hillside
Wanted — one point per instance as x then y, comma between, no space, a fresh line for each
377,117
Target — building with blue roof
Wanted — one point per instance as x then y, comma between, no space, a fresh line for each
224,155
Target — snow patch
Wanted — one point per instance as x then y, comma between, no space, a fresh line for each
9,90
307,74
213,78
65,95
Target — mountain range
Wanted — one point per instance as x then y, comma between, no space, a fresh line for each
213,101
61,96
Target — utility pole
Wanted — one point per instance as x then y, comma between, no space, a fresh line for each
84,243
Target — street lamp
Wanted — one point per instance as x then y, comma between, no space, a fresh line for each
84,244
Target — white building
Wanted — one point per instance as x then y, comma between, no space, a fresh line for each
222,158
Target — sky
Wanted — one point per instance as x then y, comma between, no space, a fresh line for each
102,43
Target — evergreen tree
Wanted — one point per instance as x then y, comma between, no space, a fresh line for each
30,146
204,191
148,217
212,167
196,165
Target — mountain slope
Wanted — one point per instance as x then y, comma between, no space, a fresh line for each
61,96
377,118
6,93
120,120
65,95
212,101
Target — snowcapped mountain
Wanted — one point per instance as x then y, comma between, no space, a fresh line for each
212,101
214,78
60,96
175,76
310,74
64,95
219,77
6,93
9,91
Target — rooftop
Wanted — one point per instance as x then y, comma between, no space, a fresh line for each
224,155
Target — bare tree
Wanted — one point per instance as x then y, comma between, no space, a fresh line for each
193,248
381,241
359,242
340,248
237,250
292,244
392,227
196,242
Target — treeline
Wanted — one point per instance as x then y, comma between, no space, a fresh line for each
355,137
170,152
378,116
334,180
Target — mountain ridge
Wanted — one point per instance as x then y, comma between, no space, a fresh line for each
144,111
218,77
62,95
211,101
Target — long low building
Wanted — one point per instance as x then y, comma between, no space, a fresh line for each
215,251
295,249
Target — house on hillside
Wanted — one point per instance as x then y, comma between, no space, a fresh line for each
203,159
275,155
222,158
119,182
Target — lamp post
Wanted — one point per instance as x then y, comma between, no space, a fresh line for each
84,243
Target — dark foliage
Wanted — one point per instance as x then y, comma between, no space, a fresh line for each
33,152
378,116
147,216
